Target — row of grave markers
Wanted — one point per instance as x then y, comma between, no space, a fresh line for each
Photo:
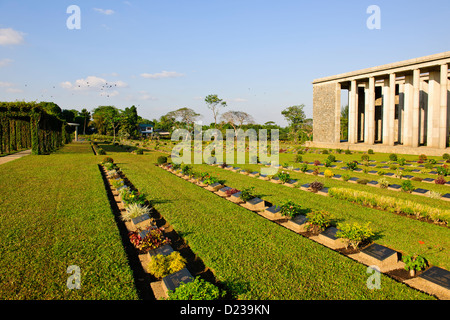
434,280
143,224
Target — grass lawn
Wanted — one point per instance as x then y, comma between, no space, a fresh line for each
256,258
55,213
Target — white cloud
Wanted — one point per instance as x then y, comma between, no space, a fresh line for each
198,98
238,100
103,87
6,84
10,36
14,90
162,75
104,11
5,62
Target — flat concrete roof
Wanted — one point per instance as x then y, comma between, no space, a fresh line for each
398,67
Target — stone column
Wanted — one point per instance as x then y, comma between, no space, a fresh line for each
443,130
371,112
353,113
389,110
434,95
408,106
415,108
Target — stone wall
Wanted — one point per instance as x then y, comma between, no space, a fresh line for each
326,112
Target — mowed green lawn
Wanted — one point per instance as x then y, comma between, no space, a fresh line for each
54,214
255,258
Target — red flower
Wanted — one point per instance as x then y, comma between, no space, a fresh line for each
421,242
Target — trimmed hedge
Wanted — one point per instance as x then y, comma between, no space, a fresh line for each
25,125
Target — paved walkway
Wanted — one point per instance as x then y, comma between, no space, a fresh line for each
14,156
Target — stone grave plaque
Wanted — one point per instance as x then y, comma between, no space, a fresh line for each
383,162
353,180
235,169
378,252
321,174
432,172
305,186
236,197
358,170
446,197
337,177
144,219
228,167
272,213
256,204
373,183
415,170
309,171
253,174
164,250
395,187
428,180
373,172
223,192
296,169
371,165
447,183
437,276
421,166
275,180
344,168
421,191
263,177
173,281
385,167
291,183
296,224
389,174
338,161
328,237
408,176
214,187
323,191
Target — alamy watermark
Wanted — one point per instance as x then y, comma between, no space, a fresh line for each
258,147
74,280
374,20
374,281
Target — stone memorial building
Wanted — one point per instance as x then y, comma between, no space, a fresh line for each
400,107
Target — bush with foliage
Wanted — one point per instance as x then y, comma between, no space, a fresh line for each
440,180
331,158
290,209
162,160
370,151
442,170
393,157
328,173
283,176
248,194
161,266
107,160
316,186
355,234
347,151
318,221
362,181
446,156
135,210
153,239
401,161
131,197
230,192
383,183
298,158
198,289
345,177
414,262
365,157
407,186
303,167
352,165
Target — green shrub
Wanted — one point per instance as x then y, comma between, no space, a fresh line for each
442,170
318,220
370,151
352,165
446,156
161,266
346,177
407,186
283,176
298,158
355,234
415,263
140,151
393,157
303,167
290,209
365,157
325,151
347,151
384,183
401,161
362,181
107,160
198,289
331,158
423,157
247,194
101,152
162,160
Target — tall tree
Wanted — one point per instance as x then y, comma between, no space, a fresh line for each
107,118
86,115
130,121
296,118
237,118
214,104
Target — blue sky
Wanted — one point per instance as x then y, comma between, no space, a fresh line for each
259,56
